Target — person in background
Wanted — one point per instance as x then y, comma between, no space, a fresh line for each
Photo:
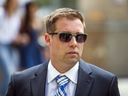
30,53
9,27
65,73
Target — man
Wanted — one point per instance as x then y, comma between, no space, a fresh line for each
64,74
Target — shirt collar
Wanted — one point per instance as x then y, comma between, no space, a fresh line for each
72,74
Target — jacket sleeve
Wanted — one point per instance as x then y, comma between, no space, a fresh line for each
11,88
114,91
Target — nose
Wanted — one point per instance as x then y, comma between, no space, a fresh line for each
73,42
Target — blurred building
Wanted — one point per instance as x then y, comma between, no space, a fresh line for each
107,28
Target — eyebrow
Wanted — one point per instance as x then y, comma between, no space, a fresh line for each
72,33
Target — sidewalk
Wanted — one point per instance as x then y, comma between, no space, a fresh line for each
123,86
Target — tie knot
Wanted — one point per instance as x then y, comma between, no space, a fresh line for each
62,81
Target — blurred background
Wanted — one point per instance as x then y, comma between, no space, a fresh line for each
106,26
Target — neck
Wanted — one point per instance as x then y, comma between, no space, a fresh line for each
10,13
61,66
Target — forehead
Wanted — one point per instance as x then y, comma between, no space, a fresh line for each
65,24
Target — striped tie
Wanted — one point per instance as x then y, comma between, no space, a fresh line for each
62,82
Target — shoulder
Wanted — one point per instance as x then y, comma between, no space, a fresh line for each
95,71
100,76
30,73
101,73
104,82
27,73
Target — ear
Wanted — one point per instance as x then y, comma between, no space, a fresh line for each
47,39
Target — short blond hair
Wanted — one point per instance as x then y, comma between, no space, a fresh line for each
50,20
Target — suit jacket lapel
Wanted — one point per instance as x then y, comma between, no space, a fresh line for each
39,81
85,80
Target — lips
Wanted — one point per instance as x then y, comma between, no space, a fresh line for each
72,52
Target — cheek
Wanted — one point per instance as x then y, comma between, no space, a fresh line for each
58,47
62,47
81,48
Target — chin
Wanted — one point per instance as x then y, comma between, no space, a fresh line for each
72,61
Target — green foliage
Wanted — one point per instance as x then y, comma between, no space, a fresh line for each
68,3
63,3
42,2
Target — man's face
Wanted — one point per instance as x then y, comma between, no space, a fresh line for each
66,52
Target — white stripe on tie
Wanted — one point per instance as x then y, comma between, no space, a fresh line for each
62,81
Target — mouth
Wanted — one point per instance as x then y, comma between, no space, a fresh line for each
72,53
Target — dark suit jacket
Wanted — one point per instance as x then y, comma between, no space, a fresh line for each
92,81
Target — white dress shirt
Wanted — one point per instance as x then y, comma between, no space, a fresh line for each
51,84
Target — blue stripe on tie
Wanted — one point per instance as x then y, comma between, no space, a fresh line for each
62,82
